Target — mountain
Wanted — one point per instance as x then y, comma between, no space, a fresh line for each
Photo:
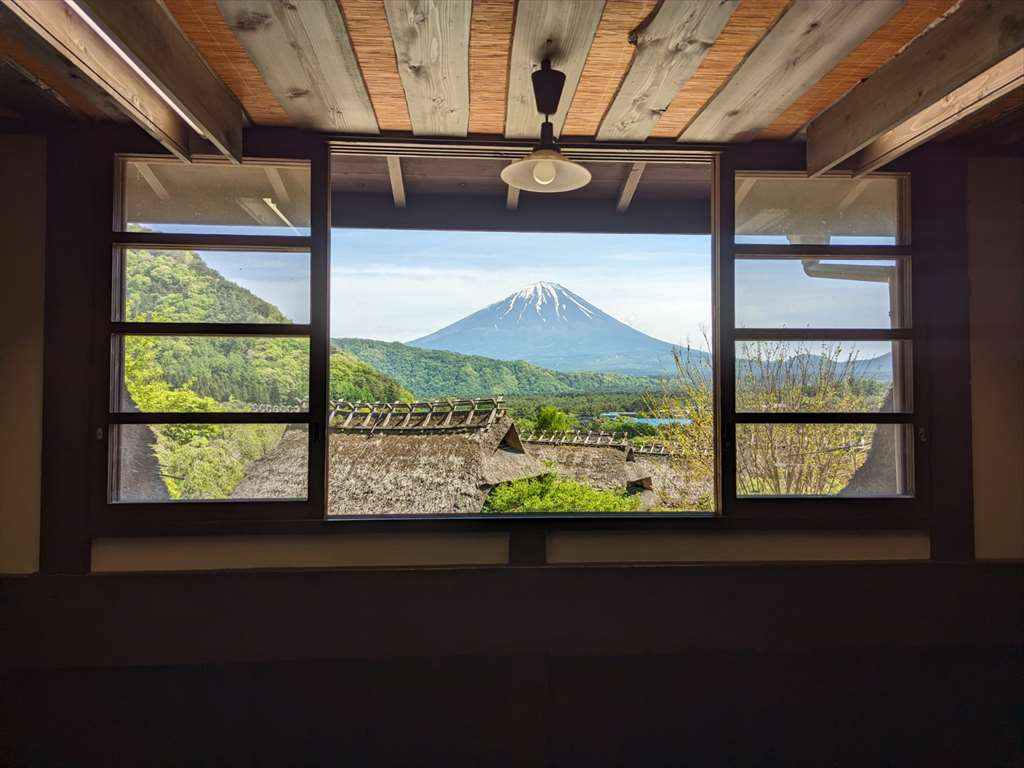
178,286
550,326
438,373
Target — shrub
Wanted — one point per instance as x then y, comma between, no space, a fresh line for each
549,493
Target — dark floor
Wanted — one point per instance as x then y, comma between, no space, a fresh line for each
865,708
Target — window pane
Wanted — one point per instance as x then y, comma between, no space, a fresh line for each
822,377
214,373
787,293
574,332
216,198
186,286
824,460
818,211
196,462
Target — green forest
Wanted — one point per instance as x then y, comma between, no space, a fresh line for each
209,374
431,373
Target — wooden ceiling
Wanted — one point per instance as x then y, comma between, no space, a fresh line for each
849,76
636,69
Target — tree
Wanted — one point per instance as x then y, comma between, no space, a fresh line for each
550,419
774,459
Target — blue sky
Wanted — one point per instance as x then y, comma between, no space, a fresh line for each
396,285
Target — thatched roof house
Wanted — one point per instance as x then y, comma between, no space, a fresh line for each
406,458
598,459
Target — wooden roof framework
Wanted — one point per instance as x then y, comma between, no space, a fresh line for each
637,70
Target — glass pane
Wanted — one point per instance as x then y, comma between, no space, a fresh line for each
787,293
197,462
214,373
822,377
216,198
186,286
824,460
574,332
817,211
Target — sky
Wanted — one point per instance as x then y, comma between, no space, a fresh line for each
398,285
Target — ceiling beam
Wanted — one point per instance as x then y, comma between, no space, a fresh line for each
670,46
561,31
512,198
70,36
806,43
149,35
1004,78
629,187
303,51
970,41
432,48
397,183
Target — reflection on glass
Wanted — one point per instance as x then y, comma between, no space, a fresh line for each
186,286
208,462
800,211
817,294
823,460
214,373
822,377
216,198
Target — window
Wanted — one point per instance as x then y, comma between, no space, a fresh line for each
822,384
458,358
210,333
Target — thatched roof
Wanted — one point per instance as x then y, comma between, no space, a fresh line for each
606,467
399,465
282,473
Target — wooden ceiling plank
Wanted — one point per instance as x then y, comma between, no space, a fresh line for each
305,56
432,46
148,34
395,177
629,187
996,82
670,47
562,32
976,37
203,23
808,40
490,42
913,19
63,29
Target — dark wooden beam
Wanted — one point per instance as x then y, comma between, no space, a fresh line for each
976,37
432,47
534,213
670,46
1002,79
303,51
561,31
805,44
74,39
148,34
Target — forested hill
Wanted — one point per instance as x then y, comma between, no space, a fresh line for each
437,373
178,286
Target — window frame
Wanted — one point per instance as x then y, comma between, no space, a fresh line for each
527,531
110,516
864,512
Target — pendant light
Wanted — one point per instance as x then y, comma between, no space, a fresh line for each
546,169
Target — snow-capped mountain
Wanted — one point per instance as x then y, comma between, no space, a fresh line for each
549,325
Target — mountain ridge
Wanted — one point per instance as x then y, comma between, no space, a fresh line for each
548,325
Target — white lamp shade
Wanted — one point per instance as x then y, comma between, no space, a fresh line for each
545,170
